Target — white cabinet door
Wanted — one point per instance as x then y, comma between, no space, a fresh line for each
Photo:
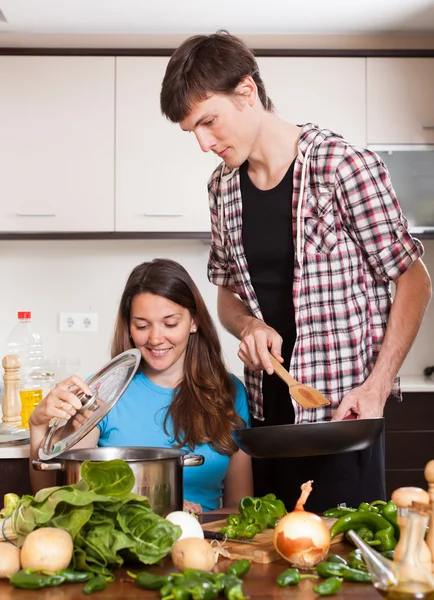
56,143
161,172
330,92
400,100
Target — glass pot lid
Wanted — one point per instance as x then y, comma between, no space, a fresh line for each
106,386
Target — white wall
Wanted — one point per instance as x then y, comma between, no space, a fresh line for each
48,277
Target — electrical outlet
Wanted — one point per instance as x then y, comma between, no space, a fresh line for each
78,322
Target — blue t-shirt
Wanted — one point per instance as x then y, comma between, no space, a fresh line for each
137,420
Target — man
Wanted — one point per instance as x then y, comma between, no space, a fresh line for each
307,235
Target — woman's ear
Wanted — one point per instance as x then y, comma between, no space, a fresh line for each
193,327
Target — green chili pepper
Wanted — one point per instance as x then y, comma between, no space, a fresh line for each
355,560
390,512
292,577
74,576
219,580
372,521
366,534
233,588
149,581
356,576
377,506
239,568
204,590
96,584
336,559
329,587
363,507
330,569
387,540
390,554
166,590
338,511
33,581
179,593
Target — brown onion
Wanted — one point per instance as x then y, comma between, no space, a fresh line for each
302,538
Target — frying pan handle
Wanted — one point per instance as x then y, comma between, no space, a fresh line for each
193,460
40,465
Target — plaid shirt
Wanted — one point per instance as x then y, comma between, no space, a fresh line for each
352,240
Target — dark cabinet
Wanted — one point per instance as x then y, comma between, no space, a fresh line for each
409,439
14,477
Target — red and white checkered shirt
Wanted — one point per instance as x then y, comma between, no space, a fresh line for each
351,241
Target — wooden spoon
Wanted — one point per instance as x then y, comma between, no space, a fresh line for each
304,395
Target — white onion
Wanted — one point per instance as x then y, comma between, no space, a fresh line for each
191,528
302,538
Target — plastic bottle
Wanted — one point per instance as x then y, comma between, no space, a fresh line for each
26,343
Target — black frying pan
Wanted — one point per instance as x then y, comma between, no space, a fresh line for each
309,439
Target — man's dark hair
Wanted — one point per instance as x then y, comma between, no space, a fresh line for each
207,64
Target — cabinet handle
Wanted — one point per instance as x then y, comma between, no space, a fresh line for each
163,214
427,126
36,214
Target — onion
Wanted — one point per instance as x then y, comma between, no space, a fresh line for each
190,526
302,538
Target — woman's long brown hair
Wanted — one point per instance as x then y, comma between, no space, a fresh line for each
202,409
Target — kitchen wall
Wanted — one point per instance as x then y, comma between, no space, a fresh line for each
48,277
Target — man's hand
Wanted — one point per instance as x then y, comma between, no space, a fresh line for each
360,403
257,341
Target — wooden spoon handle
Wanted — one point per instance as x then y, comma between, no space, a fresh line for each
282,372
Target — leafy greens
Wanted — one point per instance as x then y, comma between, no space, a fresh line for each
107,521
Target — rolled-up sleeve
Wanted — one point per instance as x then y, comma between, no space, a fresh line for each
372,214
218,265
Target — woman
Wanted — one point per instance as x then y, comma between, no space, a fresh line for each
182,396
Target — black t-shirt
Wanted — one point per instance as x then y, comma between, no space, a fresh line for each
269,248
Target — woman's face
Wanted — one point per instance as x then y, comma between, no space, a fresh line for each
160,330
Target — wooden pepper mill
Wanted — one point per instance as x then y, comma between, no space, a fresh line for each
429,476
11,405
403,498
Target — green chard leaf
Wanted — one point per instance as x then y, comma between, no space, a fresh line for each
154,536
113,478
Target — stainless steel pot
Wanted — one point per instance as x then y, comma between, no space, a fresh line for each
158,471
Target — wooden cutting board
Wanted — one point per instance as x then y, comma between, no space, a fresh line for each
261,548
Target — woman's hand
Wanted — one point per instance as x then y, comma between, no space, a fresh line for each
60,402
192,507
257,341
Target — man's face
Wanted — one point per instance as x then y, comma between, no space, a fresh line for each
226,125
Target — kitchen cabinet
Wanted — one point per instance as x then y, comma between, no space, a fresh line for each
328,91
161,173
56,143
409,439
400,100
14,477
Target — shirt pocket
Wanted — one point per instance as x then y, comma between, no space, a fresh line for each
319,223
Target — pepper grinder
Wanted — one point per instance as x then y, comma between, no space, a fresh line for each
403,498
11,405
429,476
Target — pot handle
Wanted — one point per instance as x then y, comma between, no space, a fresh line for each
193,460
40,465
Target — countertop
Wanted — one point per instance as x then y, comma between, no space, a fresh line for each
259,583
